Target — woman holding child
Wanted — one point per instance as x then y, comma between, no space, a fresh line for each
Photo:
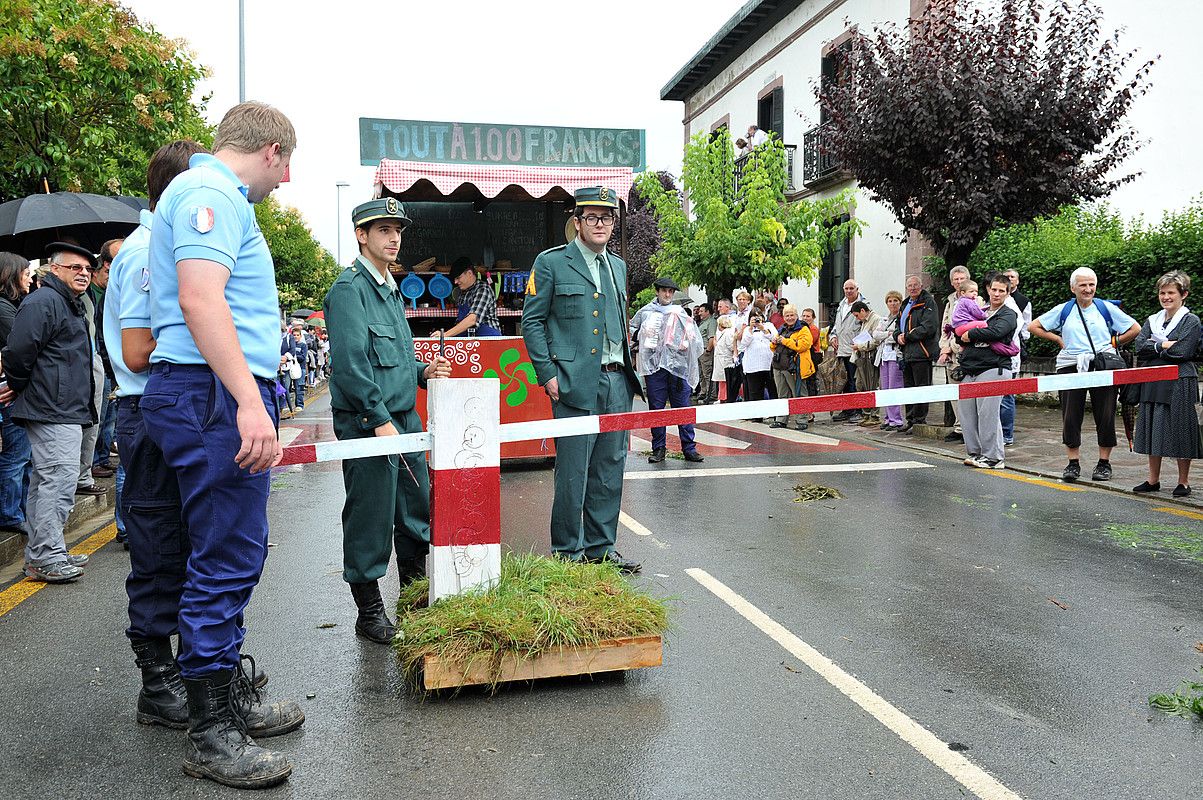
986,356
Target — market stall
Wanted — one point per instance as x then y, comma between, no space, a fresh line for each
500,217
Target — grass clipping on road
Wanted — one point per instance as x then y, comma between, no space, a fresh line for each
540,605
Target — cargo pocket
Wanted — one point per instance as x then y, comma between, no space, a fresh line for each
383,345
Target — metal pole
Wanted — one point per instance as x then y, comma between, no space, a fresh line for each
338,222
241,51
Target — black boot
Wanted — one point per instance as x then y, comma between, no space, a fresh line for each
410,569
262,719
163,699
220,749
372,623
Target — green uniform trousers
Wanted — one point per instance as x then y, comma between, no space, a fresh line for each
588,477
386,506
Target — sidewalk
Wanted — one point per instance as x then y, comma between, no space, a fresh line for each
1038,451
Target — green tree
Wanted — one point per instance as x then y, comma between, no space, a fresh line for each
743,235
87,94
304,269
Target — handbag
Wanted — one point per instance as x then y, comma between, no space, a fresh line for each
1101,361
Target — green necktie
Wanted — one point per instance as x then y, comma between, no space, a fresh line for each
610,293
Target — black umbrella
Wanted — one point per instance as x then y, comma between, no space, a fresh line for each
137,203
302,313
29,224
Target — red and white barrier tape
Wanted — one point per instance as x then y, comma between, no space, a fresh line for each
727,412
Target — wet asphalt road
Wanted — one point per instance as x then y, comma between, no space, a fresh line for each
933,585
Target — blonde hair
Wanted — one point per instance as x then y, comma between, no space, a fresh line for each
967,286
894,294
788,308
249,127
724,321
744,294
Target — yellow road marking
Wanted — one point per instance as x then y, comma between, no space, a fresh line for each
21,591
1061,487
1180,512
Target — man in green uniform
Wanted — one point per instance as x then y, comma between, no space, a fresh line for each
574,324
373,389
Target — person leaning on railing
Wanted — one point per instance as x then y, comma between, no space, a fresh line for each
1167,426
1081,328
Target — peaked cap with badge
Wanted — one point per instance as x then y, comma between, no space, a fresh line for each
384,208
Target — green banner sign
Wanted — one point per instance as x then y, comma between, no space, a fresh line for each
511,145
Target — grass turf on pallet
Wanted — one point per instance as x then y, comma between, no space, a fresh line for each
545,617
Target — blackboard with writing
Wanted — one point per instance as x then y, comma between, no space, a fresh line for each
514,232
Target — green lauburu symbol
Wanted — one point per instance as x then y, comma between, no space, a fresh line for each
511,380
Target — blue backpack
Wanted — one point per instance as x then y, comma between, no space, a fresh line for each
1102,305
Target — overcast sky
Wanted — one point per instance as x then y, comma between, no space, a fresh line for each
559,63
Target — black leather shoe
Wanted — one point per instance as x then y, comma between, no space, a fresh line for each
1147,487
1102,471
657,456
694,457
1181,490
612,557
954,437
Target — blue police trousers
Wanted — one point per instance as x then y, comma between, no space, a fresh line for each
158,541
193,420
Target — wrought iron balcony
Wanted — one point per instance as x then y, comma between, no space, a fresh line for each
818,165
790,187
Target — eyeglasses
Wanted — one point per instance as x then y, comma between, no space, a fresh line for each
592,220
76,267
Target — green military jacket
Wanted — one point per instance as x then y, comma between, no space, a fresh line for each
561,323
375,373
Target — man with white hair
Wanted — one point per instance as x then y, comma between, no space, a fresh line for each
1083,327
843,331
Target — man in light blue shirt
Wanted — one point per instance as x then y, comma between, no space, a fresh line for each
209,405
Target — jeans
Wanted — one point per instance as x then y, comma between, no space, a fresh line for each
1007,413
15,470
192,418
298,388
119,488
108,424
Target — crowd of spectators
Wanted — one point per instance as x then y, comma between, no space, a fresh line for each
304,363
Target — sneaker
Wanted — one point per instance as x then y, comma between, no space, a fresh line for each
840,416
989,463
954,437
78,561
59,572
855,418
1008,442
777,425
1072,471
801,426
971,461
1102,471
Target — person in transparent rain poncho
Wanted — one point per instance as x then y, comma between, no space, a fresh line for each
669,345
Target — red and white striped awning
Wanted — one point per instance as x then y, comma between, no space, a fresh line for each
466,181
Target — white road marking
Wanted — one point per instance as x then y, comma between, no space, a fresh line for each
691,472
640,444
961,769
632,524
701,437
289,435
788,434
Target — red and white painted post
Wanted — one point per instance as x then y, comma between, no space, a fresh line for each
465,502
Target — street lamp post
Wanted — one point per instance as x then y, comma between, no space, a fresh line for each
338,214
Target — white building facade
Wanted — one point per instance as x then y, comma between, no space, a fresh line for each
763,68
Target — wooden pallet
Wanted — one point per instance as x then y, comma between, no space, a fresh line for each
609,656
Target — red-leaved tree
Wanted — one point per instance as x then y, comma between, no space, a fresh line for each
980,112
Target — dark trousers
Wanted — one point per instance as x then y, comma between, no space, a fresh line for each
154,529
388,502
15,471
588,476
665,389
193,420
850,377
108,421
759,383
1073,410
916,373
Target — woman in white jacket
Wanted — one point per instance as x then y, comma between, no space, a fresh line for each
755,346
724,357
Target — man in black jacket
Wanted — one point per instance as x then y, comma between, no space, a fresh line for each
919,337
48,364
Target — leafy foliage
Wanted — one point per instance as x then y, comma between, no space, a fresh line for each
1185,701
1128,258
643,236
87,94
745,236
304,269
982,112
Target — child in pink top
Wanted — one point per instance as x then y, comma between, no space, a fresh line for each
968,314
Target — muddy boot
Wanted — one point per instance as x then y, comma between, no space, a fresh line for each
372,622
218,746
263,719
163,699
